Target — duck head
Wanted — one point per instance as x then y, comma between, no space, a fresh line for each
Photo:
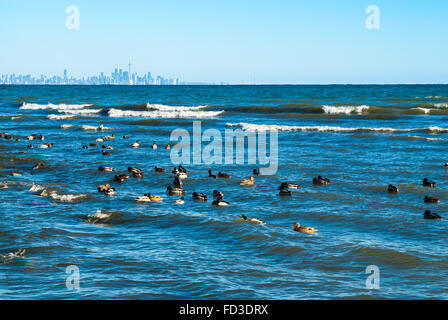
283,186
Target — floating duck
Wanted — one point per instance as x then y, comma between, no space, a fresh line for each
168,147
3,186
154,198
157,169
256,172
182,175
110,192
103,187
84,147
284,190
108,147
106,169
35,136
223,175
125,137
199,196
288,185
46,145
429,199
392,189
182,169
297,227
99,139
179,201
217,194
430,215
30,146
92,144
248,182
211,175
428,183
220,202
321,181
106,153
121,177
143,199
136,144
254,220
112,137
136,172
154,145
175,191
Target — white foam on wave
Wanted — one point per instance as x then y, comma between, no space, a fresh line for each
60,197
66,126
81,111
36,188
164,114
441,105
99,215
51,106
162,107
344,109
60,116
93,128
266,127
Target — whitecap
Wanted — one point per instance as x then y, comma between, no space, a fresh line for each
266,127
162,107
164,114
344,109
60,116
81,112
51,106
36,188
93,128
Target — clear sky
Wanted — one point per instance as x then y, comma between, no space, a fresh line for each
234,41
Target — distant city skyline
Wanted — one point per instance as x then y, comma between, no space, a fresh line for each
118,77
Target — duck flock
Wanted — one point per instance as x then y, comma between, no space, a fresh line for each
180,173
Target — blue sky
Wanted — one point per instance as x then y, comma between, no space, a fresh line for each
282,41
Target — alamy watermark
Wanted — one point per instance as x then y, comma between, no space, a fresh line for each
191,150
72,21
373,280
373,20
72,280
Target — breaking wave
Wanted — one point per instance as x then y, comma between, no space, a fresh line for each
60,116
266,127
51,106
56,194
93,128
162,107
164,114
81,111
344,109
